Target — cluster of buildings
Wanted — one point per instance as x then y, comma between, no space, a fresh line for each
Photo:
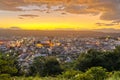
66,49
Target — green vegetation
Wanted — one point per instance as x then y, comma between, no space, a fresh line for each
7,65
108,60
115,76
45,66
93,65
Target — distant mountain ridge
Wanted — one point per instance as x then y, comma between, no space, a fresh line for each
58,33
104,30
107,30
11,28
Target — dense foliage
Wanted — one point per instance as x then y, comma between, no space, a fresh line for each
108,60
93,65
7,65
46,66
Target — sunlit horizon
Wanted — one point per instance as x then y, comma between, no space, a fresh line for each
59,15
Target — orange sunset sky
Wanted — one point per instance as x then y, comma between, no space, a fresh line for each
60,14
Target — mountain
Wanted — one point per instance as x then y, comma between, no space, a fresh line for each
107,30
14,28
1,28
58,33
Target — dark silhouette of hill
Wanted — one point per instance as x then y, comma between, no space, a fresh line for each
108,30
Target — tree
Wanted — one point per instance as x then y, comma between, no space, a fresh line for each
46,66
7,65
112,61
52,67
90,59
38,67
93,58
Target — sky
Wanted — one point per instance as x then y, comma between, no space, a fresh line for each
59,14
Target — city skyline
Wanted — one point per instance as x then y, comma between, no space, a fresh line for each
60,14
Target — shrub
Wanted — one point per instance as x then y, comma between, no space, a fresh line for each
98,73
70,74
4,76
84,76
114,76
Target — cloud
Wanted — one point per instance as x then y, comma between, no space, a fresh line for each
21,18
28,15
116,21
11,5
63,13
109,9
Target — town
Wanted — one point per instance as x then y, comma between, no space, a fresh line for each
66,49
